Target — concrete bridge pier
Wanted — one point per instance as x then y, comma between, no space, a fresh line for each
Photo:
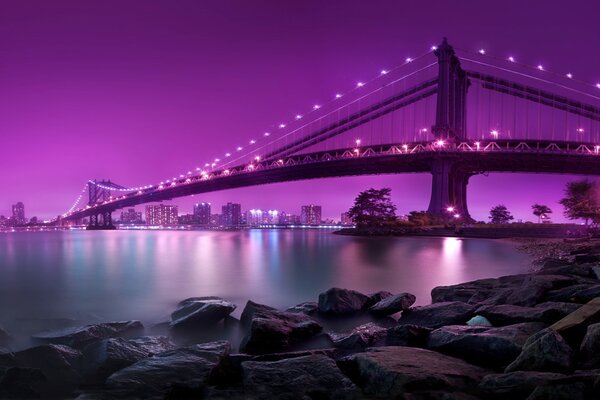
449,189
102,221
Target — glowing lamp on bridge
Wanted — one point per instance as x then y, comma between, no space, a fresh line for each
384,72
173,183
440,143
239,148
356,151
482,51
408,59
280,161
207,165
357,142
360,84
598,85
213,165
252,141
226,172
597,148
540,67
298,116
257,158
580,130
511,59
337,96
494,133
161,187
139,192
457,216
405,147
433,48
281,126
570,75
450,209
251,167
267,134
316,107
477,144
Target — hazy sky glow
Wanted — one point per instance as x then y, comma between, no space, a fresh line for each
137,91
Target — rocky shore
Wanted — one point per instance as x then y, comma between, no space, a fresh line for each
530,336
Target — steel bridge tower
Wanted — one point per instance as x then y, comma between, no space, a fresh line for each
98,193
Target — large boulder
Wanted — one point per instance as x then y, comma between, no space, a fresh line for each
567,294
308,308
308,377
376,297
518,384
393,304
361,337
494,347
79,337
22,383
249,310
394,372
272,331
561,390
438,314
407,335
155,376
101,359
506,314
336,301
200,311
544,351
589,353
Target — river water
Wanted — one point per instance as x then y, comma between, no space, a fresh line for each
47,277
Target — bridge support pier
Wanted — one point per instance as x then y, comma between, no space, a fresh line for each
449,189
102,221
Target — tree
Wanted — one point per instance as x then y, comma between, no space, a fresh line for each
500,215
580,200
541,211
373,207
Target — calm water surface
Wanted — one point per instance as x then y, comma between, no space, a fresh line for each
116,275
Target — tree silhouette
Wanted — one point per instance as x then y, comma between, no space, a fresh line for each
500,215
581,201
540,210
373,207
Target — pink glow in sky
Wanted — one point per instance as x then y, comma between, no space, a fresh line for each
136,91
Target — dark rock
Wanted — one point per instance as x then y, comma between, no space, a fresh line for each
506,314
5,338
79,337
494,347
393,304
392,372
199,311
273,331
559,307
589,353
586,258
544,351
580,270
101,359
558,390
518,384
550,263
249,310
566,294
438,314
587,294
573,327
154,376
376,297
336,301
308,308
309,377
407,335
21,383
361,337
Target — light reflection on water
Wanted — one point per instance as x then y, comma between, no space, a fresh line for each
143,274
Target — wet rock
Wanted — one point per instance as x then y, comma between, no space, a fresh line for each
393,304
505,314
518,384
479,320
79,337
589,353
438,314
407,335
493,347
393,372
21,383
544,351
561,308
586,258
308,308
154,376
376,297
249,310
310,377
101,359
566,294
580,270
361,337
336,301
587,294
200,311
273,331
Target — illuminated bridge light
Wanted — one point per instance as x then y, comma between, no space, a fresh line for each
257,158
405,147
337,96
408,59
280,161
207,165
580,130
433,48
597,148
598,85
450,209
239,148
494,133
511,59
316,107
440,143
252,141
357,142
456,216
482,51
217,159
570,75
298,116
383,72
251,167
356,151
267,134
477,144
360,84
281,126
540,67
227,154
226,172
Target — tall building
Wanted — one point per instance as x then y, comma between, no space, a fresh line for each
254,217
131,216
161,214
18,214
310,215
202,213
232,214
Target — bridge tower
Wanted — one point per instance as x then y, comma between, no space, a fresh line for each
98,193
449,179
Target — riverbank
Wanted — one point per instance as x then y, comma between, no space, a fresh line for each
520,336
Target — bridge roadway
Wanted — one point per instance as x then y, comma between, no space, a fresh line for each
465,158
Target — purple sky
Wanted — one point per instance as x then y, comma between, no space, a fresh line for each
137,91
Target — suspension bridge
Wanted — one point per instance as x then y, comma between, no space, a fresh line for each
443,113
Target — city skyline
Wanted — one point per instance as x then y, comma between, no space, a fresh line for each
176,100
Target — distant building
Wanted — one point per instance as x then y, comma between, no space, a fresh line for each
215,219
232,214
202,213
130,216
254,217
310,215
161,214
346,220
3,221
18,214
187,219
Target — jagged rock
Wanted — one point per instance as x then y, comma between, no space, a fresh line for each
586,258
336,301
518,384
589,353
308,308
392,372
199,311
376,297
21,383
407,335
101,359
559,390
479,320
566,294
313,376
393,304
581,270
494,347
79,337
544,351
272,331
587,294
249,310
561,308
506,314
361,337
438,314
155,376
